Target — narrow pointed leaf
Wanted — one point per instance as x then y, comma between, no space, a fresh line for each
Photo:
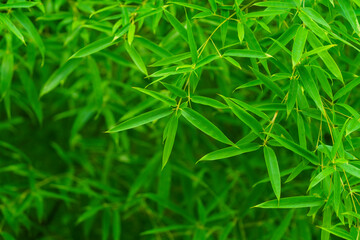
142,119
230,152
273,170
293,202
170,138
296,149
204,125
158,96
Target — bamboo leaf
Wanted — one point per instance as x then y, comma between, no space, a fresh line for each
246,53
293,202
158,96
273,170
204,125
299,44
142,119
230,152
170,139
296,149
60,75
135,56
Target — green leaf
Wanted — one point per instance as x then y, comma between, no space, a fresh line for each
321,176
94,47
264,13
293,202
350,169
204,125
170,138
171,60
299,44
89,213
60,75
339,232
142,119
296,149
191,40
208,102
6,73
10,25
152,47
135,56
116,223
273,170
325,57
246,53
230,152
276,4
240,31
245,117
131,33
347,88
250,108
270,84
158,96
175,90
177,25
316,17
313,26
191,6
292,94
310,87
213,5
29,27
206,60
350,15
18,5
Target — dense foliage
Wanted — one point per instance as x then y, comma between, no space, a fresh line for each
192,119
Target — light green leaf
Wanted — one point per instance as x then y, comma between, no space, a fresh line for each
325,57
296,149
131,33
94,47
171,60
170,138
318,178
313,26
310,87
204,125
177,25
208,102
135,56
191,40
158,96
60,75
246,53
299,44
347,88
270,84
339,232
273,170
18,5
142,119
175,90
245,117
33,33
293,202
350,169
10,25
350,15
230,152
276,4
